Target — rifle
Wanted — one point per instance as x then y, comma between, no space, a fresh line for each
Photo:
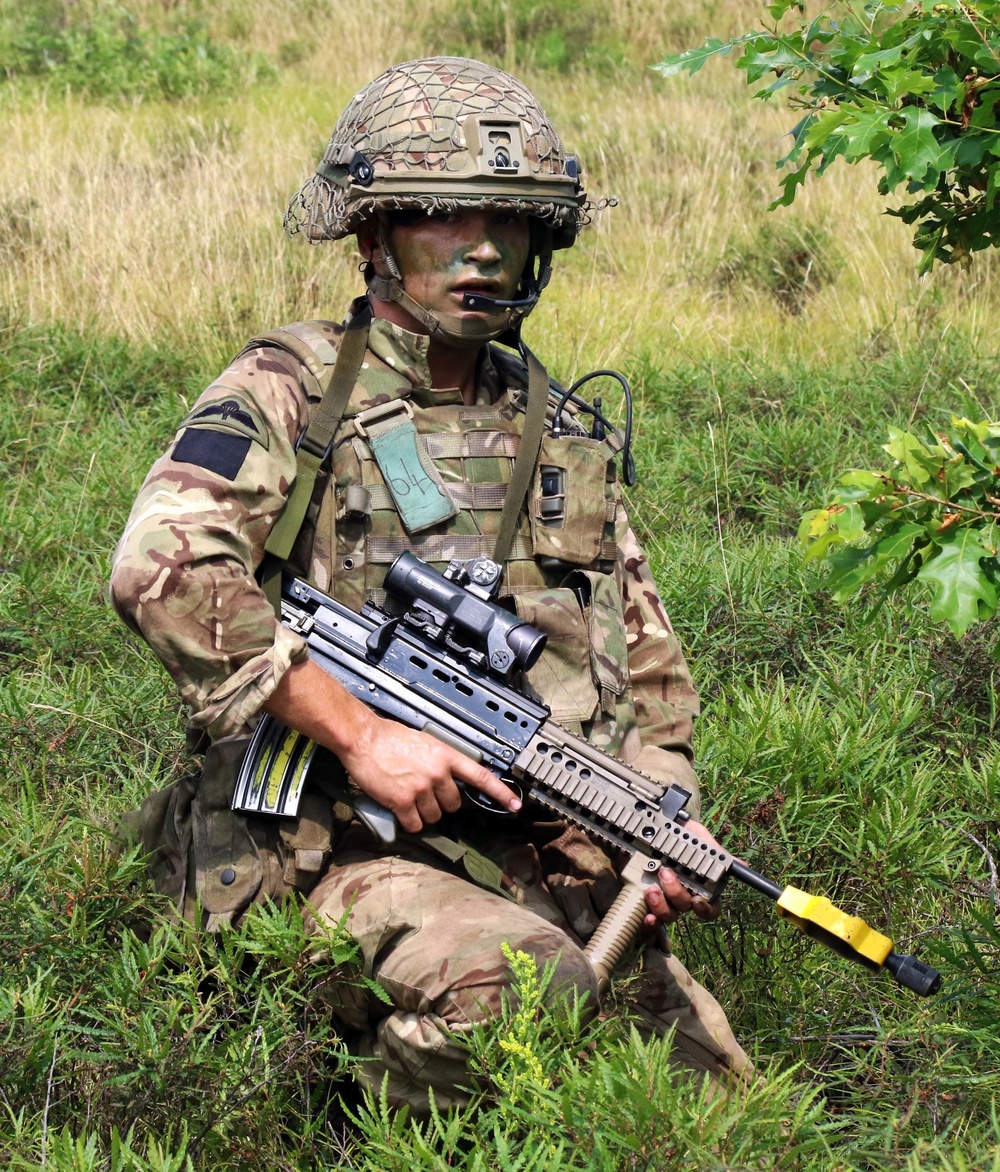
444,665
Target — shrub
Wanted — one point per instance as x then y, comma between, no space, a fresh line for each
791,262
524,33
110,56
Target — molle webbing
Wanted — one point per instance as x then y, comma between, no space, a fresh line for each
442,547
464,496
384,550
449,446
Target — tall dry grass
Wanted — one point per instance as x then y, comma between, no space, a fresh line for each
163,221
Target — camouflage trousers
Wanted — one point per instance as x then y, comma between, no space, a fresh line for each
432,940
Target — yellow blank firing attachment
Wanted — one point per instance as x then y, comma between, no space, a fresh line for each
846,935
817,917
809,912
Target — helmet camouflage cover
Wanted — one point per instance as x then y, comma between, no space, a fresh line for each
440,134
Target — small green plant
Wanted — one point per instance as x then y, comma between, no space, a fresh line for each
213,1044
524,1074
933,516
109,56
564,1092
912,86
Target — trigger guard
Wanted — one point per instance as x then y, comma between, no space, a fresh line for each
476,797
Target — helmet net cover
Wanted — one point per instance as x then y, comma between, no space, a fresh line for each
440,134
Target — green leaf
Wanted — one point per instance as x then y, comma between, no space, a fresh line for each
915,148
813,524
920,463
902,81
949,90
766,54
872,482
824,125
823,528
798,135
959,474
790,185
977,431
983,116
850,523
852,567
876,62
693,59
778,8
873,511
866,130
963,594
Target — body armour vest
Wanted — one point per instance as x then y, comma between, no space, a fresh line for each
412,468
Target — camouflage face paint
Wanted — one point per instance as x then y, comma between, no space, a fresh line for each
473,250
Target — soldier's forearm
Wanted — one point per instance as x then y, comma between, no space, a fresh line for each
411,774
313,702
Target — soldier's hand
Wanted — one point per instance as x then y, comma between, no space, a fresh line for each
414,775
671,899
407,772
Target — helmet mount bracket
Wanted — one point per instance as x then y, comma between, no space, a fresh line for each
496,144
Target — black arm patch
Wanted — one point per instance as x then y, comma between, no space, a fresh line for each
221,452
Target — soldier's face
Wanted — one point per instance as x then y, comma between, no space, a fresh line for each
446,255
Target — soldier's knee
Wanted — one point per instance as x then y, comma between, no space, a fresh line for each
573,976
476,995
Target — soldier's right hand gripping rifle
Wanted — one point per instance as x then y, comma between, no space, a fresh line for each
443,666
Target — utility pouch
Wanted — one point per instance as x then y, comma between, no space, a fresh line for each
206,857
569,507
601,597
583,671
562,677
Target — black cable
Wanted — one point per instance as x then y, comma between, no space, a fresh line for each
628,461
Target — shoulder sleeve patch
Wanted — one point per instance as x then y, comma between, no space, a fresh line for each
222,452
232,415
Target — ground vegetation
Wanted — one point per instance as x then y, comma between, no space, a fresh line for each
847,749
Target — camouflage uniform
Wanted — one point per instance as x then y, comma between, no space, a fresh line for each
184,578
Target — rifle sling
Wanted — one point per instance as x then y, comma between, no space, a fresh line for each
524,465
312,452
478,868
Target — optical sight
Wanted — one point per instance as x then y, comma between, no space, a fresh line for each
459,606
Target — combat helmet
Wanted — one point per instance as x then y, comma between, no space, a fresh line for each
440,134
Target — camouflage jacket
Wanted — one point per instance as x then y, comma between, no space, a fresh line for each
183,573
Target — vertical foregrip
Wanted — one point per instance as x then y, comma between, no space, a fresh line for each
619,927
616,932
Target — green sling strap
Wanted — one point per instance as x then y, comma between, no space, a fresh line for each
481,870
524,465
314,447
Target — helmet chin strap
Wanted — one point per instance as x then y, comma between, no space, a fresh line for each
463,333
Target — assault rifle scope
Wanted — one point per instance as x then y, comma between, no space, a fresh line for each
457,607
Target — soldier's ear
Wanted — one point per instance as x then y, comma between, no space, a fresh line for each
367,236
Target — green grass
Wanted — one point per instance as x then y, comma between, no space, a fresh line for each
850,751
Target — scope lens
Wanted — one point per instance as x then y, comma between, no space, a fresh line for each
526,643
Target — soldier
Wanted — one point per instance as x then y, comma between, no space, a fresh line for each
332,448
